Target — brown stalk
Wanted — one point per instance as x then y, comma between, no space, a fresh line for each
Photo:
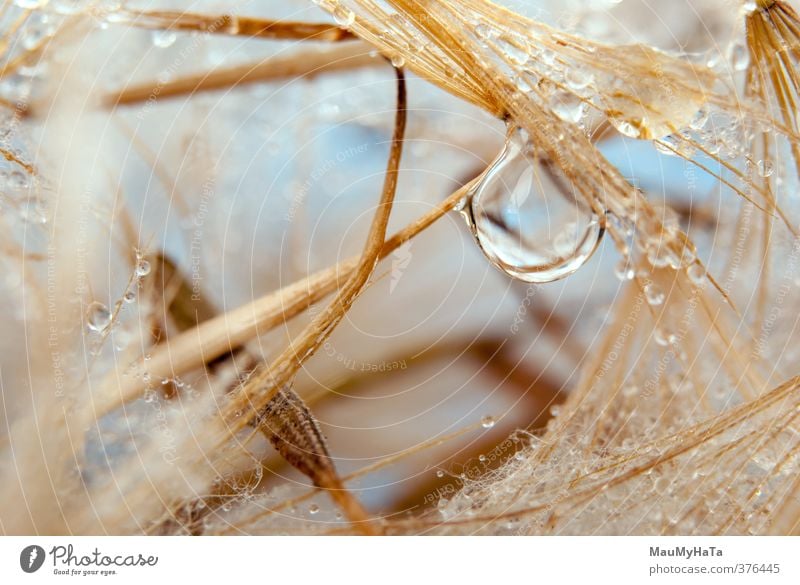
233,25
306,63
265,382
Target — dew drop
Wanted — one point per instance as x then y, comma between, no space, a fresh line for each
398,60
765,168
525,219
142,268
313,509
343,15
98,317
578,78
567,106
487,422
164,38
129,297
696,273
624,270
653,294
440,473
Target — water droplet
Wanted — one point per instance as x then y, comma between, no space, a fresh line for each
624,270
487,422
525,219
129,297
343,15
440,473
632,128
398,60
653,294
765,168
482,458
578,78
98,317
142,268
313,509
696,273
164,38
567,106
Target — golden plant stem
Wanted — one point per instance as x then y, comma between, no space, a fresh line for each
232,25
264,382
301,64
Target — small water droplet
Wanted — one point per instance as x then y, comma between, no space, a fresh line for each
624,270
398,60
696,273
765,168
567,106
578,78
313,509
654,294
343,15
164,38
487,422
440,473
142,268
526,221
98,317
129,297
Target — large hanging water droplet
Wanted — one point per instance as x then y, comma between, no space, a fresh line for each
527,219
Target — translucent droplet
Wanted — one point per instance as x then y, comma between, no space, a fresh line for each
567,106
632,128
765,168
398,60
653,294
526,219
578,78
129,297
696,273
514,51
440,473
624,270
164,38
98,317
343,15
142,268
487,422
313,509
